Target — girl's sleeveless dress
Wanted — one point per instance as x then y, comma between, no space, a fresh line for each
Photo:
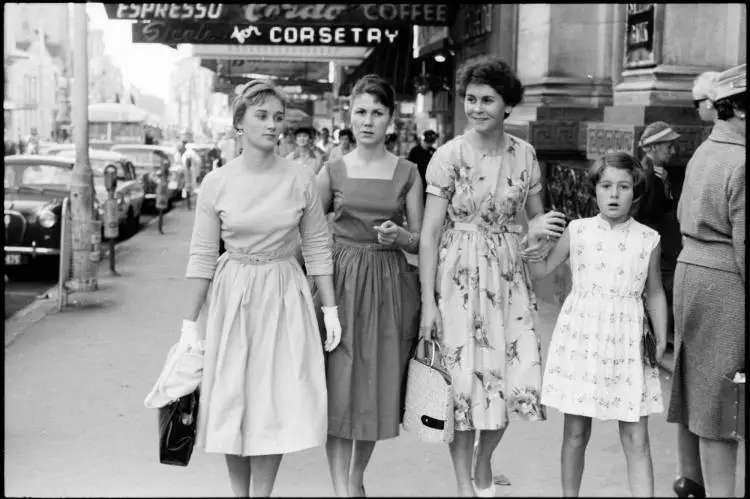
378,300
595,364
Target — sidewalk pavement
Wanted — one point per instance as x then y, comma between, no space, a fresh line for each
75,424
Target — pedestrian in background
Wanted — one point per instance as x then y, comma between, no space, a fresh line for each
477,297
263,392
595,366
325,144
709,304
391,143
287,143
370,191
345,146
704,88
658,207
306,152
421,154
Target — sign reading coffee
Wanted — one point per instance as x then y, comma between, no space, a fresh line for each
207,33
287,14
640,49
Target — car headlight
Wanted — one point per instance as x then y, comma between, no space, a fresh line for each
47,219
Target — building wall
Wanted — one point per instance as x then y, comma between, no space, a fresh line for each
192,92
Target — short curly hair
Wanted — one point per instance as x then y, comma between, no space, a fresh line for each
621,161
492,71
725,108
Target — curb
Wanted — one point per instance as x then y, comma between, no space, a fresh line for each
37,310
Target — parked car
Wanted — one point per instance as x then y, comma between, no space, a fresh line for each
58,148
129,191
148,160
35,187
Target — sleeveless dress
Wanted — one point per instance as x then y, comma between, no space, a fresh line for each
263,389
595,365
378,300
484,289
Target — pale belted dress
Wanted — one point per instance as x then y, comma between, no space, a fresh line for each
484,289
263,389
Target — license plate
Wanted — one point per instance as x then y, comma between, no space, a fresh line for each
13,259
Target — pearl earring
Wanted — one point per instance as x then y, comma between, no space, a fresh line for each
239,131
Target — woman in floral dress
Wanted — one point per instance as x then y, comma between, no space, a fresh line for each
477,299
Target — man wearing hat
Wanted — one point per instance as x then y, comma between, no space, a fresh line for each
709,301
658,209
421,154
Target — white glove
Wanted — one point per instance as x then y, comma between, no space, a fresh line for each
189,335
333,327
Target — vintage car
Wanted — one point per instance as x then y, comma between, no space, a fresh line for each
148,160
129,191
35,187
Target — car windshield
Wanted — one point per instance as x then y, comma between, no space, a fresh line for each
141,157
37,175
98,165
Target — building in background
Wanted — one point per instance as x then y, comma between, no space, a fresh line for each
191,101
36,66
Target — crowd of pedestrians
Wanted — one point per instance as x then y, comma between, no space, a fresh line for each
289,366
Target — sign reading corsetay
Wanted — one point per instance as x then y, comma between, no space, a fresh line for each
205,33
307,14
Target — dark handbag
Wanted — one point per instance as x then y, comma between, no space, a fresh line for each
177,424
648,341
732,396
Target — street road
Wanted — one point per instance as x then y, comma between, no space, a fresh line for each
31,283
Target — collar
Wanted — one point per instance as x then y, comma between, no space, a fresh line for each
603,224
722,132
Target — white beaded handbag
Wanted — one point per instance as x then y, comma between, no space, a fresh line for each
428,409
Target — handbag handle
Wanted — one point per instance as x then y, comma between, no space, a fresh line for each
435,346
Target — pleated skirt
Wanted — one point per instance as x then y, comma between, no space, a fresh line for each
263,390
377,293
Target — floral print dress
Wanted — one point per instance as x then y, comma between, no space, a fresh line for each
484,294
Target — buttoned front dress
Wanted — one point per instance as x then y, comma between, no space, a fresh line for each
264,389
485,298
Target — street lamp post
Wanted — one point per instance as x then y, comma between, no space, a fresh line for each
85,231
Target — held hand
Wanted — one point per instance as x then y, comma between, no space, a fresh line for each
548,225
333,327
388,232
537,252
431,324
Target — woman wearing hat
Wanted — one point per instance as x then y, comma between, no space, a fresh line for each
709,301
305,152
704,94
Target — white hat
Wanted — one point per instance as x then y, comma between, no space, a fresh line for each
731,82
704,87
657,132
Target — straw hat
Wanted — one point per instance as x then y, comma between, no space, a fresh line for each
657,132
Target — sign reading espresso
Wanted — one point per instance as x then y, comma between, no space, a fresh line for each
287,14
205,33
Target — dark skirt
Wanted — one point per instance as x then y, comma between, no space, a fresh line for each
377,293
709,311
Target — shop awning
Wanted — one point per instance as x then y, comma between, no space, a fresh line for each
394,62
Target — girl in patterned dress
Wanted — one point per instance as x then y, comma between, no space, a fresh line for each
477,297
595,366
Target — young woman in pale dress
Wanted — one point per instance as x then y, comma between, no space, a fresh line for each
595,364
477,299
263,392
305,152
370,191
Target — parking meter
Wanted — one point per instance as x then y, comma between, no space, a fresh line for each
111,212
162,193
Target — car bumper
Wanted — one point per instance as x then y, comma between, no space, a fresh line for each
25,250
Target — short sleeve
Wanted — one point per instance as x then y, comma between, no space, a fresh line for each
440,173
535,181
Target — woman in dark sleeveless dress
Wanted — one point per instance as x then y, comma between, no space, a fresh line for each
370,191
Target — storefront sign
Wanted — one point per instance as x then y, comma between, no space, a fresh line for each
287,14
640,32
206,33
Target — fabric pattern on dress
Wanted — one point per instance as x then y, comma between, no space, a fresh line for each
484,289
378,298
263,389
595,364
